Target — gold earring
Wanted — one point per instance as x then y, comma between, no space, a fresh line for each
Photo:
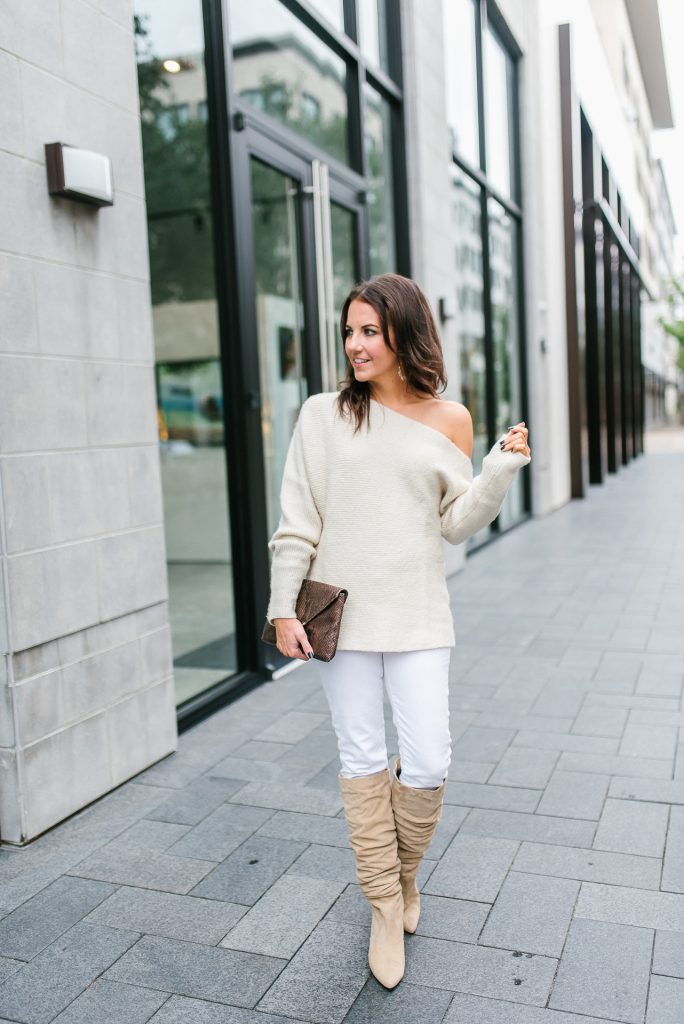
401,375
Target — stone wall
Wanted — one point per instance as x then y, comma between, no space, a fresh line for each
86,677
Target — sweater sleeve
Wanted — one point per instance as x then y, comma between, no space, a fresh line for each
294,542
469,504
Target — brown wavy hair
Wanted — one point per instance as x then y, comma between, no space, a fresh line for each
401,304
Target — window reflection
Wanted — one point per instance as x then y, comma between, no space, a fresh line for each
499,114
380,190
372,25
285,71
461,79
504,276
170,55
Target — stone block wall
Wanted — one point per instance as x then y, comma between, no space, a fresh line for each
86,683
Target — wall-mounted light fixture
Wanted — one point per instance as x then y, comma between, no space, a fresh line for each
447,308
79,174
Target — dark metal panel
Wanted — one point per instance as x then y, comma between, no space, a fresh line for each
574,272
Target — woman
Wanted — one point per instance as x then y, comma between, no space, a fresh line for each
367,510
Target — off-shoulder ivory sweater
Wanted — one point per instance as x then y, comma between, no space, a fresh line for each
368,512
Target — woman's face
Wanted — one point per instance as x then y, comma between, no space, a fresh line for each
364,341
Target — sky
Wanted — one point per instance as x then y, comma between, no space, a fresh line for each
669,144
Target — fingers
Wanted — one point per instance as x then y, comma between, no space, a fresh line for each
295,644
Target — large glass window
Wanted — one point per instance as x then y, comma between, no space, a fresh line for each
487,231
284,70
461,79
499,114
372,25
171,79
380,188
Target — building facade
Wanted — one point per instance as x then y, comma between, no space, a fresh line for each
155,353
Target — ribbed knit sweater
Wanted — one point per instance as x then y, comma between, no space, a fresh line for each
368,512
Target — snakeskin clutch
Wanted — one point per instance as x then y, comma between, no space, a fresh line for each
319,608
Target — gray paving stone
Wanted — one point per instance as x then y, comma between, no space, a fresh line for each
671,792
570,743
292,727
470,771
324,977
607,764
472,868
250,870
262,750
145,837
482,744
575,795
54,978
221,832
406,1004
668,954
538,828
307,828
282,919
479,970
112,1003
673,864
657,683
632,827
162,913
589,865
181,1010
248,770
633,906
532,914
290,798
476,1010
601,721
641,740
46,916
665,1000
604,971
636,703
513,720
8,967
451,919
503,798
325,862
204,972
199,798
170,874
525,766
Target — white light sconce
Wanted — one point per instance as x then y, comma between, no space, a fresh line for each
79,174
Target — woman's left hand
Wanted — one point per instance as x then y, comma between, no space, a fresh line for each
516,440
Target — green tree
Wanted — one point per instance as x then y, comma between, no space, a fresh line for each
674,325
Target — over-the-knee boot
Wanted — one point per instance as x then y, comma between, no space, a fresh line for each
416,813
368,809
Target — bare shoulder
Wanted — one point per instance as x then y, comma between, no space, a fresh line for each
457,424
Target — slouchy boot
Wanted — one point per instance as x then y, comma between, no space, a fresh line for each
416,813
372,834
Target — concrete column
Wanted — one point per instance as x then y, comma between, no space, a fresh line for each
86,680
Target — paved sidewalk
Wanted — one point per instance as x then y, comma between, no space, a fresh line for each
218,887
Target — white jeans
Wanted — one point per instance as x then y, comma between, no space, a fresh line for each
418,690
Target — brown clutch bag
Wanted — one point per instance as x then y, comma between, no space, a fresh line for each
319,608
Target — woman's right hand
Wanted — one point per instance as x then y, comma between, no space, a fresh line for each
291,639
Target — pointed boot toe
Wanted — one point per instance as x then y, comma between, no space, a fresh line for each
386,948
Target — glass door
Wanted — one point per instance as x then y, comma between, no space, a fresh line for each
304,230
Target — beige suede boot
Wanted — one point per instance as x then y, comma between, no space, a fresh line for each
372,834
416,813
